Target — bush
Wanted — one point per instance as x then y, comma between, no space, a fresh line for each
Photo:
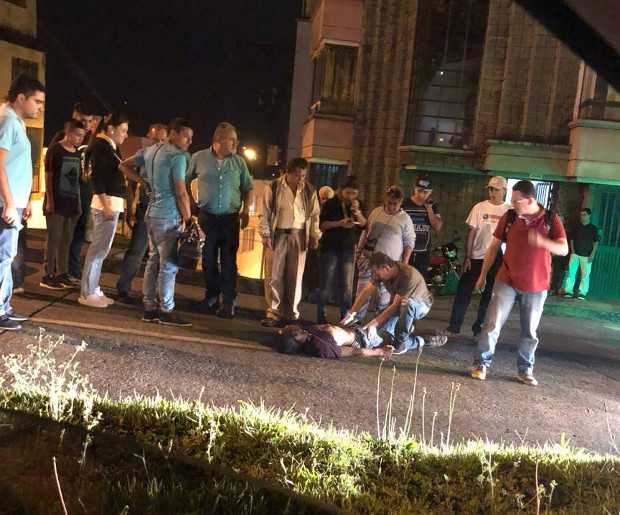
354,471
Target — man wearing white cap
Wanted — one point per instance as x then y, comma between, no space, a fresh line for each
482,221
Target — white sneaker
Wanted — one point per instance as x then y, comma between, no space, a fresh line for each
93,301
103,296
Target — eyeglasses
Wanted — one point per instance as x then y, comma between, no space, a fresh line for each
491,188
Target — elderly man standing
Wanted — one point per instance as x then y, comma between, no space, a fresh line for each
289,224
224,186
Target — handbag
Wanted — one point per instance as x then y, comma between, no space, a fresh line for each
189,249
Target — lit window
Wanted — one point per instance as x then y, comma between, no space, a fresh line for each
448,56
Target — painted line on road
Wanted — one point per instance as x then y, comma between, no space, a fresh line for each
223,342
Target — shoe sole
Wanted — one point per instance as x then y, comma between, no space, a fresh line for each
54,288
151,320
18,328
91,305
19,319
526,382
175,324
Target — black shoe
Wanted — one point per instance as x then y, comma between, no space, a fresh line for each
272,322
124,298
226,311
150,316
16,316
51,283
65,281
172,318
6,324
205,306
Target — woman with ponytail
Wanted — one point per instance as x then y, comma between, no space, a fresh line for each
109,192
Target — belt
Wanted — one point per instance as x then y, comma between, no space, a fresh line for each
223,215
289,231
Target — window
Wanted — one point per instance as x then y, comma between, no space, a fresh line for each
610,218
598,100
334,80
448,55
248,235
322,174
24,66
19,3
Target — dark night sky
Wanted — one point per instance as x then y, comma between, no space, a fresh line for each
207,61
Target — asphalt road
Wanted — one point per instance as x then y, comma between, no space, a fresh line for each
578,366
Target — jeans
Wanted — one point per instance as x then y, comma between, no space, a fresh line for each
103,236
60,230
584,265
79,233
420,261
336,274
18,267
219,255
530,311
400,325
465,290
135,253
161,268
9,235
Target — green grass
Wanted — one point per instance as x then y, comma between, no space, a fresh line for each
354,471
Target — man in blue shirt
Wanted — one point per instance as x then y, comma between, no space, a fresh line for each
26,99
224,186
168,212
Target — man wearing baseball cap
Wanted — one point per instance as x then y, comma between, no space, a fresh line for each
424,214
482,221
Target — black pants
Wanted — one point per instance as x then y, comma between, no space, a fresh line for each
219,255
419,260
79,233
464,291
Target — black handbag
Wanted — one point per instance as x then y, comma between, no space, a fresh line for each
189,248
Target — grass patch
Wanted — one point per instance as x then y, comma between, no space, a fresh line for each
353,471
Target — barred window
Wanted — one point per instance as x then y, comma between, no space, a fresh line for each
334,80
449,43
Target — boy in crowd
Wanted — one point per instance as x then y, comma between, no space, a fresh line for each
26,99
62,204
425,216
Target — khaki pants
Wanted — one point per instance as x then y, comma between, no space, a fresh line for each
287,269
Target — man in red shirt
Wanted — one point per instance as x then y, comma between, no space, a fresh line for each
531,235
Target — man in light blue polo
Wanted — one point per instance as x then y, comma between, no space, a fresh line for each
224,186
26,99
168,211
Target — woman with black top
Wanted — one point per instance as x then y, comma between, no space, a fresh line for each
109,192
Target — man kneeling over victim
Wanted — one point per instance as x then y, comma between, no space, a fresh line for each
389,332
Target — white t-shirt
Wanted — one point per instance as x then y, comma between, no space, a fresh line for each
484,217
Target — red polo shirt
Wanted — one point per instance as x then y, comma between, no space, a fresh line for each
525,267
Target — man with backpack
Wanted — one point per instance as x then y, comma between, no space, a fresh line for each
531,234
289,225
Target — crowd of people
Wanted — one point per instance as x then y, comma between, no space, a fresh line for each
372,264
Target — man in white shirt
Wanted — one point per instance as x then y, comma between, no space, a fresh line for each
482,221
289,225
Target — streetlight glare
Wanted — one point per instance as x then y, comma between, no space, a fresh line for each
250,154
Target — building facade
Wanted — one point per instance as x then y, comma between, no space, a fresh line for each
322,104
465,89
20,52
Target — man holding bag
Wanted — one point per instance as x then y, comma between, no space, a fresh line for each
168,212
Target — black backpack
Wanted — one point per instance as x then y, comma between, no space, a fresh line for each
511,216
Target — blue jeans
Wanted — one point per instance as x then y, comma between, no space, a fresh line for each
103,236
530,311
400,325
336,275
161,268
9,235
135,253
